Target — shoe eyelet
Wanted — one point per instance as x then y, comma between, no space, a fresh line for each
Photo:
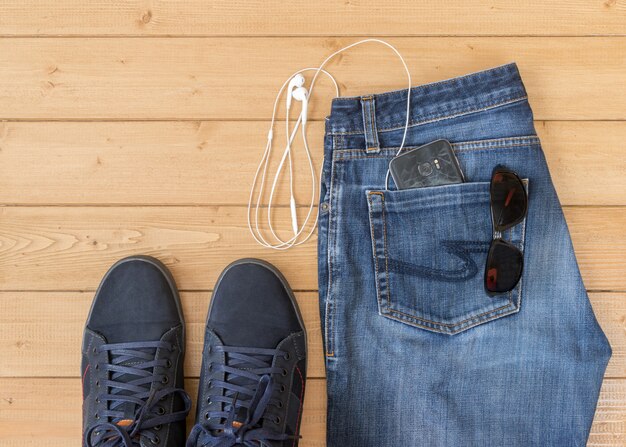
277,420
208,401
280,405
285,372
160,411
97,400
209,383
155,440
97,367
94,350
98,383
168,363
210,368
206,416
165,380
158,427
283,388
97,416
287,356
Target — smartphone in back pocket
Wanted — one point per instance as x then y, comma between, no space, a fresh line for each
433,164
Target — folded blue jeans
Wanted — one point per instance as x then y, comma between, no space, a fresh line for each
417,353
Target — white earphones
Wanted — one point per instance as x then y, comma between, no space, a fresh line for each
296,82
296,90
301,94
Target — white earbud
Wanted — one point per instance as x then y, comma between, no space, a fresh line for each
294,88
301,94
296,82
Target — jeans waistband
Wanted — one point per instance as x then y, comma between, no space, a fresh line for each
430,102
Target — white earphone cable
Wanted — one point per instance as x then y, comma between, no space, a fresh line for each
298,230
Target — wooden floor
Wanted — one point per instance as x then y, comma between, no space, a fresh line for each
134,126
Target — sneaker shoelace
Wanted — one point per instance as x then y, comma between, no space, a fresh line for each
131,373
247,399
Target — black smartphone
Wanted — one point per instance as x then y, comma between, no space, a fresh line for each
433,164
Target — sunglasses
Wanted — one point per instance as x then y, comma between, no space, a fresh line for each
509,205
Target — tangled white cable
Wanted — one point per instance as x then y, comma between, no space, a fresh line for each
296,90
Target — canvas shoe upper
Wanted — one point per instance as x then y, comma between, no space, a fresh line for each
253,374
132,359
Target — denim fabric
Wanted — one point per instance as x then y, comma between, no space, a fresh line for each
416,352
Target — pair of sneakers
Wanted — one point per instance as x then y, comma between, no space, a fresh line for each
252,381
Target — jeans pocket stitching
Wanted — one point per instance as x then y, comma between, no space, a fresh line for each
385,309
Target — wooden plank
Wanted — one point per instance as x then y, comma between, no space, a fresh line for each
322,17
70,248
237,78
23,401
31,344
188,163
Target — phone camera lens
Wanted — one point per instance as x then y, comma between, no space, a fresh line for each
425,169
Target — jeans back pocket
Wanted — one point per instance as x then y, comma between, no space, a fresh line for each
430,247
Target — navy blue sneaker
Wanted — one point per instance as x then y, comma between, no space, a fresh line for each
132,365
253,374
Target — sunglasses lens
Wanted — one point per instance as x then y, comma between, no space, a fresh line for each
504,267
508,200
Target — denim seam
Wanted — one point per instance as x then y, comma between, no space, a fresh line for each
440,327
473,150
460,145
328,324
470,146
433,118
376,268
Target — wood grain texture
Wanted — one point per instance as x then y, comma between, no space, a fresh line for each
236,78
213,162
23,401
321,17
134,127
70,248
31,344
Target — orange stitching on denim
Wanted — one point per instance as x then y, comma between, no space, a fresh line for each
328,326
413,319
374,250
436,323
428,119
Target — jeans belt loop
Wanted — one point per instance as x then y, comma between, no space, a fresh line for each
369,124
